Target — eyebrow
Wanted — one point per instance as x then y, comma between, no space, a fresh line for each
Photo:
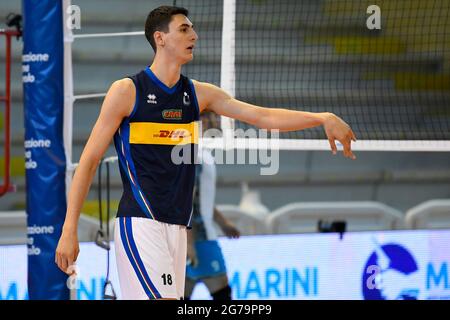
186,25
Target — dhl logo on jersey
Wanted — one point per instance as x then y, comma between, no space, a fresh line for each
175,134
163,133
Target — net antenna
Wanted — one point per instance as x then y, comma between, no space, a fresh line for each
12,20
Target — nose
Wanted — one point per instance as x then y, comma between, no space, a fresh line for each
194,35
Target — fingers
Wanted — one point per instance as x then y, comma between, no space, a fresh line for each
346,144
192,256
332,145
194,261
232,232
64,262
347,150
57,260
343,133
233,235
353,135
70,269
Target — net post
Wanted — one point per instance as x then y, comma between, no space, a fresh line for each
68,107
6,187
68,95
227,68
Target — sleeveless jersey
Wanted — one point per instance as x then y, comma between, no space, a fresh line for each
156,146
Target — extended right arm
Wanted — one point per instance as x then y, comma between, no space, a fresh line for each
118,104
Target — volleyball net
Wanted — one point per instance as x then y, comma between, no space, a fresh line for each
384,69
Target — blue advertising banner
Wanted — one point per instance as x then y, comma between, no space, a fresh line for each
45,163
380,265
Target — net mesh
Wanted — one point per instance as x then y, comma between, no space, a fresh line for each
391,83
207,17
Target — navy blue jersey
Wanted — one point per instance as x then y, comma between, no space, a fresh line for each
156,147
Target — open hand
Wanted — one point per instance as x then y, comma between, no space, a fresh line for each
192,256
230,231
337,129
67,252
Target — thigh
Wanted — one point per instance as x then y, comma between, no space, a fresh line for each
144,263
178,247
189,287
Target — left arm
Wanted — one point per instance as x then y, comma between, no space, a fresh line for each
226,225
215,99
191,253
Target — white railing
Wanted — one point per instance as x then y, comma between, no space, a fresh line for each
433,214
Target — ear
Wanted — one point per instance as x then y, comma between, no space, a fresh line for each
159,38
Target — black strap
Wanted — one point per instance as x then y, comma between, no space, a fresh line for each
100,207
102,240
108,199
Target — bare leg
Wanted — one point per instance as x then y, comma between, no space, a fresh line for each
214,284
189,287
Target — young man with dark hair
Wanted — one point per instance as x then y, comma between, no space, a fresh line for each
158,20
148,115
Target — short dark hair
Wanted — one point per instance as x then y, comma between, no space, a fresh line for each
159,19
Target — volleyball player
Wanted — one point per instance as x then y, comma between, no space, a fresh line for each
148,115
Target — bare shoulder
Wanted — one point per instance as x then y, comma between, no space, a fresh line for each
201,93
124,88
121,96
125,84
204,87
208,93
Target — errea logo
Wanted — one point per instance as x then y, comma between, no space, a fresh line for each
151,99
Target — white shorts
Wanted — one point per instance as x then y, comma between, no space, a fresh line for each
151,258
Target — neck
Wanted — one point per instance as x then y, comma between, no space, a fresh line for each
166,70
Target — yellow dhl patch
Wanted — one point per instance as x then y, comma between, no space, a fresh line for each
163,133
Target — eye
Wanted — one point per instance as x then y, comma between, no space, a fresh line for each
183,29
